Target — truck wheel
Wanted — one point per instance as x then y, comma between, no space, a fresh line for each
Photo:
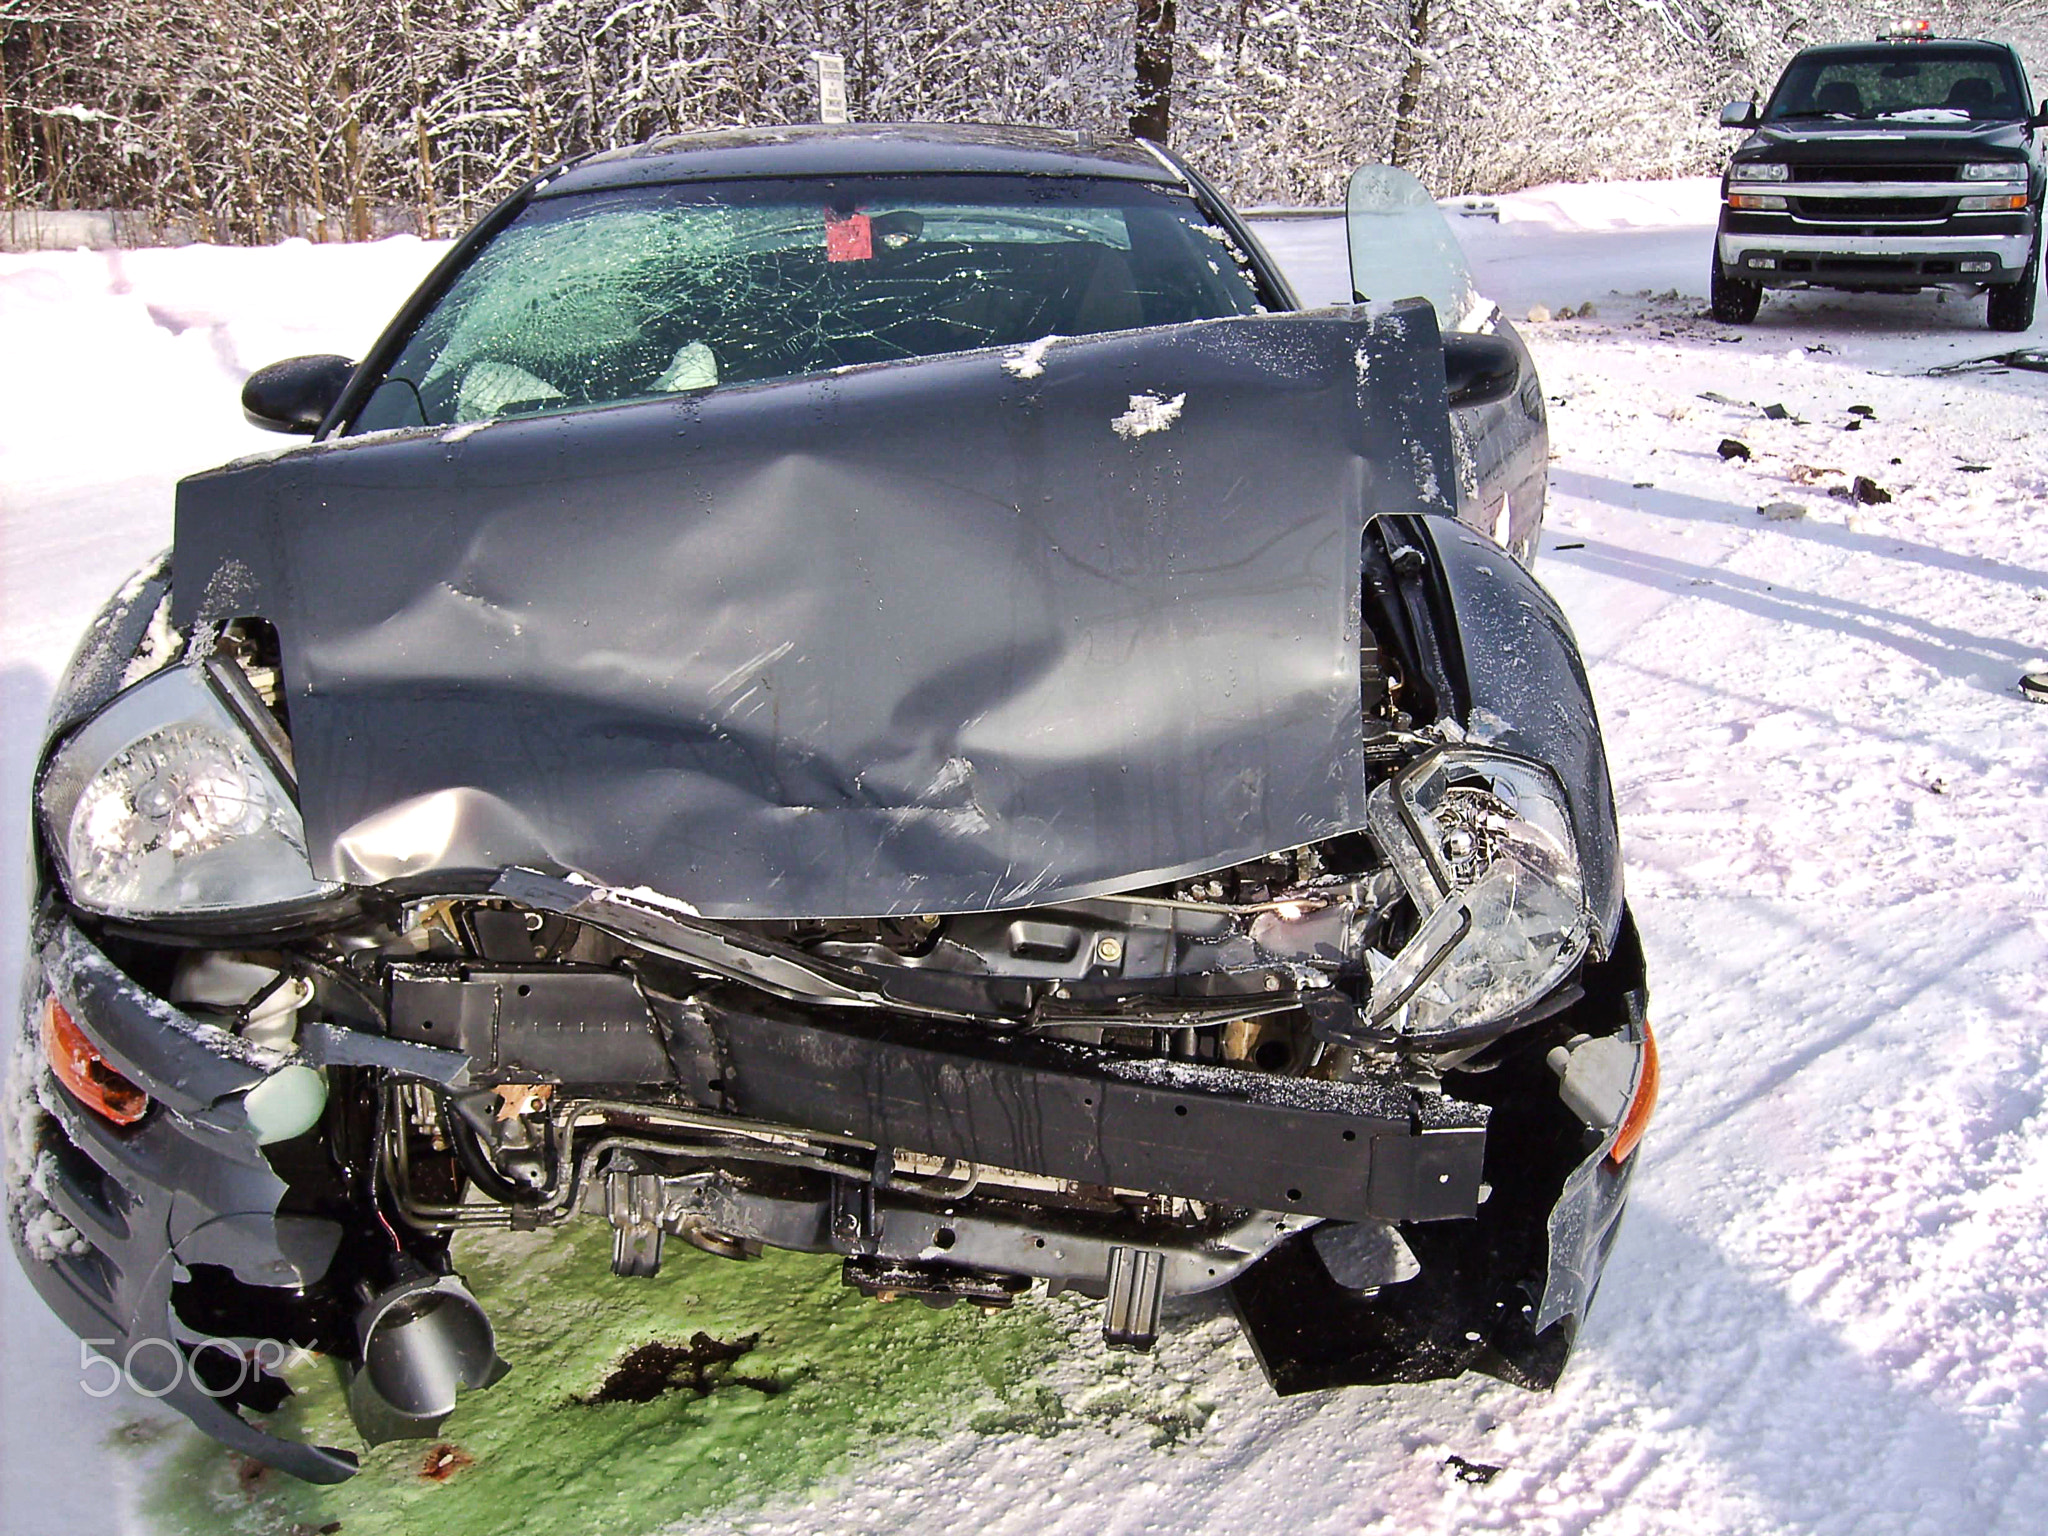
2011,305
1734,302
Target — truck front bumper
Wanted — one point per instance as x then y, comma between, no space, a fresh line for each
1897,261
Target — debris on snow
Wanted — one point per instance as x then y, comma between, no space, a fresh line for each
1538,314
1811,474
1471,1471
1782,511
1148,413
1733,448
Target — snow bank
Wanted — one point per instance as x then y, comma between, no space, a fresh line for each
1578,209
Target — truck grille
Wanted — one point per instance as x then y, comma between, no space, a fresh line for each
1864,210
1886,170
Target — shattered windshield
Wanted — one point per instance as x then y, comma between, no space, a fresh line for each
1902,82
650,291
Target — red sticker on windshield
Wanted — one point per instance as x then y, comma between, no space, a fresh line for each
849,239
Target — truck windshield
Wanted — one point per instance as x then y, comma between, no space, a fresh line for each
637,293
1905,81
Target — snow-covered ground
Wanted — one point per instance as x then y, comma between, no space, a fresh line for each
1829,1309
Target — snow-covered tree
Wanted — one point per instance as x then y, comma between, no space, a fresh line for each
336,119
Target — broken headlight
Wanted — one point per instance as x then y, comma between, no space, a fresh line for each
165,805
1483,845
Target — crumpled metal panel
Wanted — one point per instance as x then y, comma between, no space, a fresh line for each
1527,692
969,632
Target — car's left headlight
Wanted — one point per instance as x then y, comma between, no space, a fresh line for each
1759,170
165,805
1483,845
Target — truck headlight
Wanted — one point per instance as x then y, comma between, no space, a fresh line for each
1758,170
164,805
1995,170
1483,844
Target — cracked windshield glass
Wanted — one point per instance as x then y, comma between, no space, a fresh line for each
607,297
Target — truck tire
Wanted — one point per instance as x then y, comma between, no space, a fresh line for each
1734,302
2011,305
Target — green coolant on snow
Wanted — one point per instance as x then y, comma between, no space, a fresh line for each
768,1377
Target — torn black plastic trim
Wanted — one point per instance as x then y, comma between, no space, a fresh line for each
187,1185
98,668
189,1065
1503,1294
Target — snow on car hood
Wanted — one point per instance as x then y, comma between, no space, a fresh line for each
916,638
1958,134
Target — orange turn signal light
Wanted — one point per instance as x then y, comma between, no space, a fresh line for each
1642,1103
84,1072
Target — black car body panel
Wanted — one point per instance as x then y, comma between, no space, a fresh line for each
983,817
1068,622
186,1187
1523,688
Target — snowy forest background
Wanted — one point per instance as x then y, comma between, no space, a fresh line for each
252,120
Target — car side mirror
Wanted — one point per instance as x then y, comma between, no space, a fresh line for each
1479,370
2040,118
296,394
1739,114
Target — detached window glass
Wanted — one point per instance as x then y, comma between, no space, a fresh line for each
634,294
1904,80
1402,248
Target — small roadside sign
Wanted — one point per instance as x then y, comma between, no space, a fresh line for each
831,87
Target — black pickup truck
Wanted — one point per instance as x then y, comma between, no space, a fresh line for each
1890,166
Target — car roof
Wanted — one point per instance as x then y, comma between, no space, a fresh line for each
864,149
1902,47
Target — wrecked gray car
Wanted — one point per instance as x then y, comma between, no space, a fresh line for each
877,692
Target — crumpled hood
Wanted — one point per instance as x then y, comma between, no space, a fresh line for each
968,632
